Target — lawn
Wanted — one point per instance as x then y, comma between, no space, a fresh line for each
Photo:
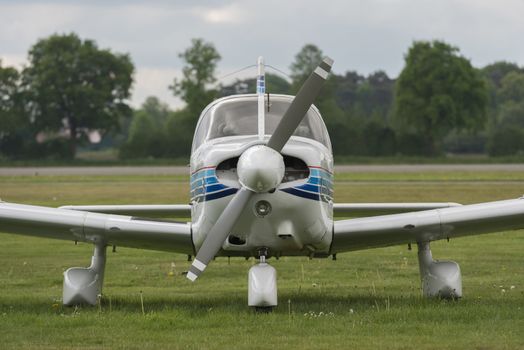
365,299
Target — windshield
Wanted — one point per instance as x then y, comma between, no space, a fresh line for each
238,116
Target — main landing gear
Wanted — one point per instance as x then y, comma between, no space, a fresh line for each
439,278
262,285
84,285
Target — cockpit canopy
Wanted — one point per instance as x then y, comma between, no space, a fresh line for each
237,116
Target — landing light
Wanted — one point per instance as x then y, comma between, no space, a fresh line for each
262,208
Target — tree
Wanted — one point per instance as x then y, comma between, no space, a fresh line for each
505,136
15,128
306,60
147,136
9,99
438,91
74,85
275,84
495,72
199,72
512,87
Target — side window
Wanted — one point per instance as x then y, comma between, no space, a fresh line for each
200,132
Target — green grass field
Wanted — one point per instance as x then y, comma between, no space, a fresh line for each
367,299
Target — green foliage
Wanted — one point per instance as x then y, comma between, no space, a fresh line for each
505,140
147,131
274,85
73,84
465,143
437,104
512,87
9,98
306,60
495,72
16,131
201,59
507,127
439,91
158,132
180,128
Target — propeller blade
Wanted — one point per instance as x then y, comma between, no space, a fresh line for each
300,105
218,233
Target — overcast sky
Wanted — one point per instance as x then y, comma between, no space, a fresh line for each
365,35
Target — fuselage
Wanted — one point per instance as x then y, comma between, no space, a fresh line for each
294,219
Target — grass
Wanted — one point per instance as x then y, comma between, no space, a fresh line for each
366,299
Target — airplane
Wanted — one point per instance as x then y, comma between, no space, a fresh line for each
262,186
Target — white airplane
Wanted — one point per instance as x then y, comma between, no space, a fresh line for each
262,186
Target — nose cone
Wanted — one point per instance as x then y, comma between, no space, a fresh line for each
260,169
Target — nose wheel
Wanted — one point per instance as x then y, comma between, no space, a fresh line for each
262,286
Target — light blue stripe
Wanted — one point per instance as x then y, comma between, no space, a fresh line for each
320,181
309,187
203,173
206,181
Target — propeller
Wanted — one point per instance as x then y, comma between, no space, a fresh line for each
260,168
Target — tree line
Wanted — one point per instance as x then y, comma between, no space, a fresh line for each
72,93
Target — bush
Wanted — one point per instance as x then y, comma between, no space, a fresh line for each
505,141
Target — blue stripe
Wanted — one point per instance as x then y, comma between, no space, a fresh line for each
321,183
314,180
196,184
202,173
221,194
320,173
210,180
213,188
308,187
205,181
303,194
197,192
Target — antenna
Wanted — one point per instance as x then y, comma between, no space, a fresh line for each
261,90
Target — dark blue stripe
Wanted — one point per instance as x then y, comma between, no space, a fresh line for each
295,192
221,194
216,187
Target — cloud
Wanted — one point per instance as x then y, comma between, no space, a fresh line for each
229,14
360,35
13,60
151,81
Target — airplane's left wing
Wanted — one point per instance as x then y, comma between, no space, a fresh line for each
427,225
74,225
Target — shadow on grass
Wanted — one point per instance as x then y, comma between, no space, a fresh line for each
196,305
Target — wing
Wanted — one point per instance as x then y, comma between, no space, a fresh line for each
147,210
428,225
375,209
85,226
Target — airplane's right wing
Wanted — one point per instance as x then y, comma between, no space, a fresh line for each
145,210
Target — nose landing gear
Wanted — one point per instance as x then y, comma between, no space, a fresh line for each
262,285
